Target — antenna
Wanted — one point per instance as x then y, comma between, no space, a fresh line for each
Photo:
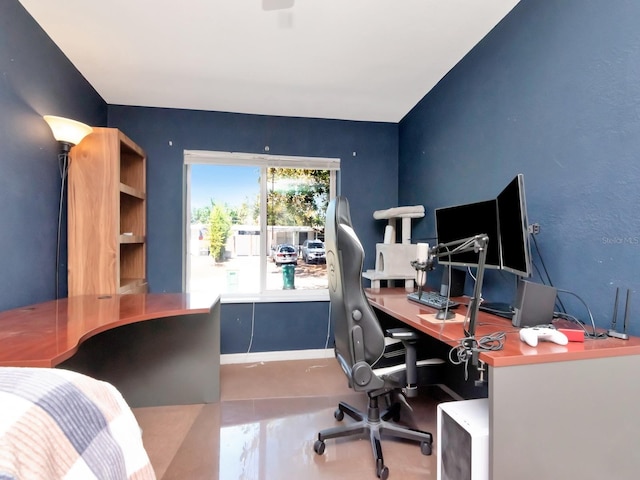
615,310
612,331
626,312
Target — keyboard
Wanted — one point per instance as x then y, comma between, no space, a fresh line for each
433,300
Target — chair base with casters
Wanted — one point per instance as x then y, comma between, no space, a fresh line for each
377,424
374,424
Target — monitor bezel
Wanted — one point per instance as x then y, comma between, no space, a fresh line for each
523,223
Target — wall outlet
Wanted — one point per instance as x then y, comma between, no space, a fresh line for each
534,228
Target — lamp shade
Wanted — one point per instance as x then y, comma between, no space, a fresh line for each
66,130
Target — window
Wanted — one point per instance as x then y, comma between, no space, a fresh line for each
250,217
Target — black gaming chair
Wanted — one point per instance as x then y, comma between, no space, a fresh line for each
360,345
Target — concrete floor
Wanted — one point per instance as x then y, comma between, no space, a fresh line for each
266,423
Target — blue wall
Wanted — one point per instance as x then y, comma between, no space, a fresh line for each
285,326
37,79
375,144
552,92
268,327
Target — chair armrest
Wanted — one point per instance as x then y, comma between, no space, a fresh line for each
404,334
409,337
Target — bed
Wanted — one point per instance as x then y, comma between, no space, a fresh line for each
55,424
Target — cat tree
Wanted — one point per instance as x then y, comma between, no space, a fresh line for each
393,260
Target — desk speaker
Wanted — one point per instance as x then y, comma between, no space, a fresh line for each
534,304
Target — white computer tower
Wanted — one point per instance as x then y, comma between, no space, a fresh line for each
463,440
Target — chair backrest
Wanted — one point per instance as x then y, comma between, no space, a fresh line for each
357,332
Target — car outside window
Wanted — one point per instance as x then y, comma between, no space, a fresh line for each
313,252
252,205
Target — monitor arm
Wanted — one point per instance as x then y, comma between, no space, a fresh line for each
478,244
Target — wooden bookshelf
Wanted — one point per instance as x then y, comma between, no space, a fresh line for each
107,215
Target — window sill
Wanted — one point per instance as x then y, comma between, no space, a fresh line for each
284,296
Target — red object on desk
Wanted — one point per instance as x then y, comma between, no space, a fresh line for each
572,334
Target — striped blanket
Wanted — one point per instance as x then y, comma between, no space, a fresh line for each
58,424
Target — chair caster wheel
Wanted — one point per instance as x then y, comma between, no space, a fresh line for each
425,448
338,414
382,471
318,447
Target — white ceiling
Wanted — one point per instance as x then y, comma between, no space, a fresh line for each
342,59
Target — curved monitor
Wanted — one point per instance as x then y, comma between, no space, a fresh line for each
464,221
514,228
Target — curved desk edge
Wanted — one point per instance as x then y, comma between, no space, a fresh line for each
157,349
48,333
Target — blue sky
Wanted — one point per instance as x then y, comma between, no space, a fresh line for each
223,183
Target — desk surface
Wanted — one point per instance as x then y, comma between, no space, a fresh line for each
394,302
46,334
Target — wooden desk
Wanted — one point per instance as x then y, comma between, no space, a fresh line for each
157,349
555,412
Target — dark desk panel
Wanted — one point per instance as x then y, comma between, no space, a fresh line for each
157,349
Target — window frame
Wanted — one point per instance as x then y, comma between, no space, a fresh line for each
263,161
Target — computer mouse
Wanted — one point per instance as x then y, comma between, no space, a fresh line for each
445,315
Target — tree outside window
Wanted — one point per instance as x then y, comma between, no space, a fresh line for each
242,232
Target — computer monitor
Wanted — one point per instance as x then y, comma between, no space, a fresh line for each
515,249
464,221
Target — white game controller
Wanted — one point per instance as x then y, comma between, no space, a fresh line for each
532,335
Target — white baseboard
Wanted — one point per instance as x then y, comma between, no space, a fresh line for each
231,358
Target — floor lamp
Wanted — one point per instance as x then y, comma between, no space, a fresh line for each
68,133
